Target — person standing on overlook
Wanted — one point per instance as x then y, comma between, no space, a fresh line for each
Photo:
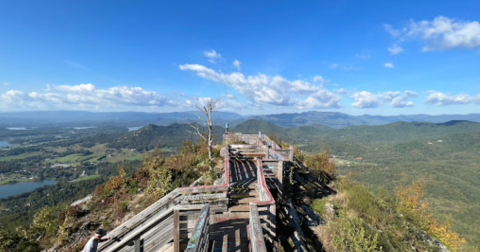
226,128
92,244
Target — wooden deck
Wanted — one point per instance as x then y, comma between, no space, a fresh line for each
229,231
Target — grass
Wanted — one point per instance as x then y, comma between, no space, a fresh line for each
358,207
72,158
21,156
88,177
10,180
319,205
100,150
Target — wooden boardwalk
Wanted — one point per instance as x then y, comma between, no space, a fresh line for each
231,212
229,231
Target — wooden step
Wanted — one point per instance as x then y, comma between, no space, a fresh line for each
239,208
247,200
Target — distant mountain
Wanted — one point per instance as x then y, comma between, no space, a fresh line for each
340,120
126,119
294,134
403,131
391,132
131,119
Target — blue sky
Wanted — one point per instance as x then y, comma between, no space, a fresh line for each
261,57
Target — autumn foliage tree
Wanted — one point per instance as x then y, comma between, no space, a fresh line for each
321,166
411,203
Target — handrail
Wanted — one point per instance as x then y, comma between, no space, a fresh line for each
275,145
199,240
258,243
156,207
148,212
261,176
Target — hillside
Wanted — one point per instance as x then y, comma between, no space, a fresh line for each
448,167
441,157
398,153
151,136
340,120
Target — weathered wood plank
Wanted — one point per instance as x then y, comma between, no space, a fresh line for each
176,230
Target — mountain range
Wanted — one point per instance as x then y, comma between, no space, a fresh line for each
130,119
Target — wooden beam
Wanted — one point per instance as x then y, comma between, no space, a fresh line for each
176,230
138,244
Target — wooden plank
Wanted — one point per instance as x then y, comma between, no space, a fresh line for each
138,244
225,243
199,239
176,230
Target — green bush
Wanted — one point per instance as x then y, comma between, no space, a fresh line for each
351,236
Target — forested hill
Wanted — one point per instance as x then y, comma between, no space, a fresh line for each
340,120
151,136
392,132
253,126
405,131
172,136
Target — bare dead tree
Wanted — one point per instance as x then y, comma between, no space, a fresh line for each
206,110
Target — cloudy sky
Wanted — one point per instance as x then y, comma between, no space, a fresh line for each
260,57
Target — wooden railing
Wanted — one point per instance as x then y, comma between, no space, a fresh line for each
263,210
156,213
199,240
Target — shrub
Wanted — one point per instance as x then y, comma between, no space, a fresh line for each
351,236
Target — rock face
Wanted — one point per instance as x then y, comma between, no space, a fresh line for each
432,241
329,211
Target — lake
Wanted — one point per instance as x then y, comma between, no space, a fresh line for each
4,144
21,187
134,128
82,128
17,128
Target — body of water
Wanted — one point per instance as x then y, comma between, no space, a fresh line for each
21,187
134,128
82,128
17,128
4,144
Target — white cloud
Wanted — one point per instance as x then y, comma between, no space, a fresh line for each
388,65
84,96
274,90
395,49
399,100
442,33
334,65
320,100
392,31
212,56
442,99
320,79
236,64
342,91
364,99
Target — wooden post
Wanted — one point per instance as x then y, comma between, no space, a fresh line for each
138,244
176,230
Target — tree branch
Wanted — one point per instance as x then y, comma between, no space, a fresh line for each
194,126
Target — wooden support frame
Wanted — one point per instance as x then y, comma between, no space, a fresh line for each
176,230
